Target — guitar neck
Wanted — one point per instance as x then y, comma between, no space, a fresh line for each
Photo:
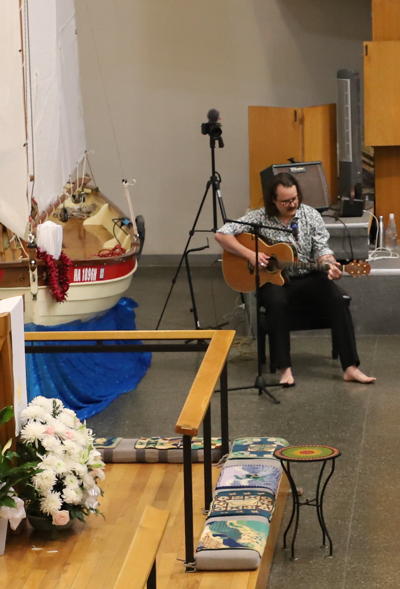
318,267
309,266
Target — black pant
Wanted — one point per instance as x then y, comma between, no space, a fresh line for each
318,290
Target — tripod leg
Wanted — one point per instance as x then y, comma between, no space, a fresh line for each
261,385
191,233
192,297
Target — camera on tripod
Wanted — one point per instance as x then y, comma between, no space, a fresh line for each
213,127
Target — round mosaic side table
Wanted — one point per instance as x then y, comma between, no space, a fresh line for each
308,453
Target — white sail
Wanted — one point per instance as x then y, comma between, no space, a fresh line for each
42,136
14,205
58,137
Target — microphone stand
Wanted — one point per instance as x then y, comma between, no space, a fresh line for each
260,383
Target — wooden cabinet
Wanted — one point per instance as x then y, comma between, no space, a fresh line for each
382,93
381,113
279,133
385,20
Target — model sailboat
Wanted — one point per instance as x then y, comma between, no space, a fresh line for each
45,176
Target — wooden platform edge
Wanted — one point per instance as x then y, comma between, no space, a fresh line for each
143,549
267,558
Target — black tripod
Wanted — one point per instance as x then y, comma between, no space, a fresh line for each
259,383
213,129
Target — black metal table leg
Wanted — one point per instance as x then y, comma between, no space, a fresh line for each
320,508
295,507
310,453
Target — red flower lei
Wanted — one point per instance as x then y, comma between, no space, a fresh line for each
57,274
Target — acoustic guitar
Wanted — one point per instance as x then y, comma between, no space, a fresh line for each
241,276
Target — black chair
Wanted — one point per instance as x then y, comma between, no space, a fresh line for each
303,317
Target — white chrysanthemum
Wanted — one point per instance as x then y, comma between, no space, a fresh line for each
88,481
72,413
32,431
81,438
72,448
70,461
94,456
33,412
52,444
68,418
51,503
59,428
55,463
71,481
44,481
79,469
47,404
67,456
72,495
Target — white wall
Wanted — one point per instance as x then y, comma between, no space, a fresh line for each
151,70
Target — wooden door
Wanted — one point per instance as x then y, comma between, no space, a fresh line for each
319,142
278,133
385,27
385,20
275,134
381,93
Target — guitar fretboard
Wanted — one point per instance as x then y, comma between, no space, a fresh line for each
297,265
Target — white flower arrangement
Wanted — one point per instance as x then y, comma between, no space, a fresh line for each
69,467
14,472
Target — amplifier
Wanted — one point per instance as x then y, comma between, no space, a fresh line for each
309,175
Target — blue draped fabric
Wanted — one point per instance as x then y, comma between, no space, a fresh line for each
87,382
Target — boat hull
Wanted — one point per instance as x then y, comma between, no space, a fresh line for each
95,287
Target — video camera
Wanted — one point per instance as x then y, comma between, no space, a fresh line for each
213,127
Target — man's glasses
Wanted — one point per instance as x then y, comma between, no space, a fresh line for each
287,203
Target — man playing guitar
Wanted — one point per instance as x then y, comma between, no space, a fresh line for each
284,209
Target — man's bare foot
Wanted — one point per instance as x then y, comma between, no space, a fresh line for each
354,374
287,378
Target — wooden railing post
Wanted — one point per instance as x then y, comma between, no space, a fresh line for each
7,430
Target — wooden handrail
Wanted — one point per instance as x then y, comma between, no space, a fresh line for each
143,549
173,334
199,397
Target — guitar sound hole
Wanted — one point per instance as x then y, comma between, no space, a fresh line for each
273,265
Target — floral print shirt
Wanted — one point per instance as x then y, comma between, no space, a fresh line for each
312,239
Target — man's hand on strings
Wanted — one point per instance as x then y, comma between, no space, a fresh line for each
334,272
263,259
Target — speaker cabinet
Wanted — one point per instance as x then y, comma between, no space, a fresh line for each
311,179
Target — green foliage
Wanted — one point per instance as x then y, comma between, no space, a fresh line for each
6,414
13,471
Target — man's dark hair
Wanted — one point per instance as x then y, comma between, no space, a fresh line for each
282,179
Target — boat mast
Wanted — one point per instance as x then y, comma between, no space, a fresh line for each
27,99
